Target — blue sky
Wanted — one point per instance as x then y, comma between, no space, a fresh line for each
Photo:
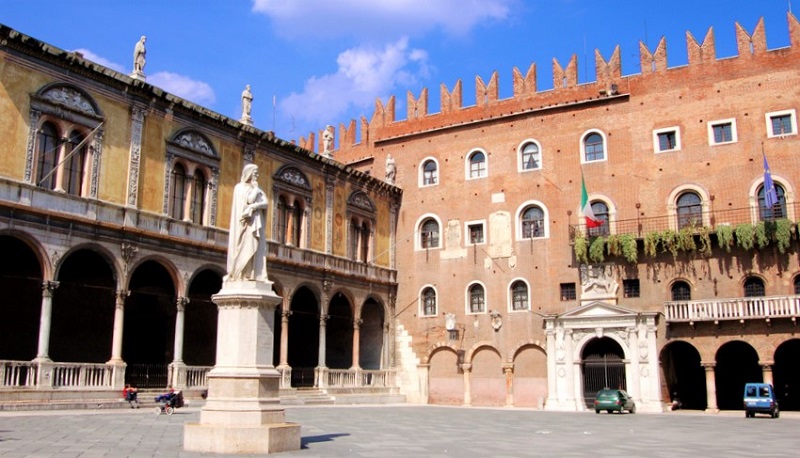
327,61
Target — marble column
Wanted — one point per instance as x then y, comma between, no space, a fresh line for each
119,322
711,387
356,344
180,319
508,370
45,320
467,369
284,351
766,370
323,322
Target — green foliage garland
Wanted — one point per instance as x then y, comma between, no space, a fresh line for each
762,236
612,245
725,237
783,234
669,242
745,235
651,244
597,250
705,241
581,248
629,248
685,239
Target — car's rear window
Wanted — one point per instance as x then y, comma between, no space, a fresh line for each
606,395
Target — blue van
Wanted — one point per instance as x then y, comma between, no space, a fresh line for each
760,398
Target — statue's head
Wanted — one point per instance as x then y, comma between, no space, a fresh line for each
249,171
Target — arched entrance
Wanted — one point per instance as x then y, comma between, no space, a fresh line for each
83,309
530,377
684,376
339,333
303,354
21,301
149,335
786,374
445,378
200,326
487,381
603,367
371,336
737,364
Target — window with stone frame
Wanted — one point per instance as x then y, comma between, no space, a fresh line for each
475,233
530,156
681,291
594,148
428,301
630,287
797,284
778,210
477,165
477,299
429,234
192,174
430,173
519,296
532,222
568,292
690,210
754,287
781,123
65,140
600,210
667,139
722,132
362,216
292,193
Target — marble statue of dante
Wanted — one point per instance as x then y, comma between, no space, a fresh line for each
247,243
247,102
138,55
391,169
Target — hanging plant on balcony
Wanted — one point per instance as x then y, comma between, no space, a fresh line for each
685,239
597,250
783,234
612,245
651,244
745,235
669,242
705,241
725,237
629,248
762,235
581,248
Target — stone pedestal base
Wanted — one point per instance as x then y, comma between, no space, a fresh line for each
280,437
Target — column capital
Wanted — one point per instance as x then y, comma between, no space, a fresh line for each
708,365
181,302
48,287
767,363
466,367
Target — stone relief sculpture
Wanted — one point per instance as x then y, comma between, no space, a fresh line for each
247,244
391,169
247,105
139,53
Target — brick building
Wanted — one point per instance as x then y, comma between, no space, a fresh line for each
688,289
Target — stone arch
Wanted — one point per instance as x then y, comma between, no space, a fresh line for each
786,374
48,271
114,261
581,344
683,375
445,379
372,343
304,332
737,363
339,331
69,96
672,203
487,379
530,375
177,280
200,319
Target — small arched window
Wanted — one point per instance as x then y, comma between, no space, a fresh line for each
178,191
199,184
754,287
531,157
519,296
74,161
797,284
600,210
532,222
681,291
690,210
477,299
429,234
477,165
593,147
776,211
47,156
429,302
430,173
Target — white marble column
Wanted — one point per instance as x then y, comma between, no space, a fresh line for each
180,319
711,387
284,350
467,369
119,322
356,344
323,319
45,320
550,345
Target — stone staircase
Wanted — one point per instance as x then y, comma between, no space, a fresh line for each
305,397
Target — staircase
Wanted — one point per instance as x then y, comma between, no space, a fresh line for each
305,397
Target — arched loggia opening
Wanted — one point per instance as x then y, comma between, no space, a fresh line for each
339,334
603,367
737,364
683,375
445,379
303,354
200,328
371,336
786,375
83,309
21,301
149,335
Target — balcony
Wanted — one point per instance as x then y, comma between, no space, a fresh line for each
733,309
314,260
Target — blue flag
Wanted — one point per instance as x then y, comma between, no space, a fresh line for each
770,196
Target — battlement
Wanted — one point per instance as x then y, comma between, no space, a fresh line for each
752,54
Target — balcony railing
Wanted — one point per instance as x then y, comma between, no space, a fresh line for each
711,219
740,309
325,262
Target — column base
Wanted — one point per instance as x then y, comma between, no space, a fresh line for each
239,439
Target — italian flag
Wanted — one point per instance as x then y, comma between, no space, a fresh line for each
586,208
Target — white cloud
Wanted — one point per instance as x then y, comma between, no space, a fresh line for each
380,18
364,73
88,55
183,86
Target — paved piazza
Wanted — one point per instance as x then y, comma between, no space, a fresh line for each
416,431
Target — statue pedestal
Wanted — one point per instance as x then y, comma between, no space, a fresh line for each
242,414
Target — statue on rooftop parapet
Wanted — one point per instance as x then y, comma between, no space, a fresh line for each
327,142
391,169
139,61
247,106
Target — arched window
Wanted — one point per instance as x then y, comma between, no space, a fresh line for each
74,160
46,156
797,284
198,196
365,238
600,210
429,234
753,287
519,296
776,211
296,224
531,157
532,222
429,302
477,299
593,147
681,291
477,165
690,210
178,191
430,173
